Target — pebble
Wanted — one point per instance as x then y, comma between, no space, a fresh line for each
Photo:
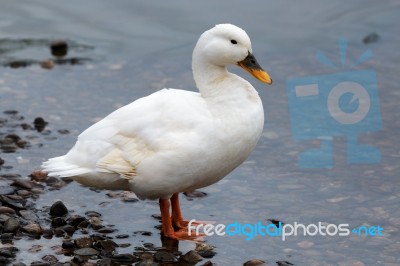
4,209
191,257
11,225
39,123
6,190
59,48
32,229
164,257
28,215
86,252
254,262
124,258
23,183
50,258
58,209
83,242
47,64
371,38
194,194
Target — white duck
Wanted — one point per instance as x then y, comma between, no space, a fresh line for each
175,140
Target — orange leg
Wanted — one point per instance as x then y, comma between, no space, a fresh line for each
167,228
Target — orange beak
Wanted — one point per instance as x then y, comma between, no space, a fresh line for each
251,65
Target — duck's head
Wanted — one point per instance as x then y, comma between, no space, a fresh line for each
227,44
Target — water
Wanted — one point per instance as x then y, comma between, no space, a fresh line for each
135,48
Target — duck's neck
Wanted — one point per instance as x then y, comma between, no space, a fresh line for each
208,76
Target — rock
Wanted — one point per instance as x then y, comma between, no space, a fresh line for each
207,253
8,210
6,190
39,123
39,176
75,220
23,183
58,209
106,230
28,215
121,236
284,263
107,245
371,38
92,214
83,242
68,244
254,262
191,257
11,225
50,258
164,257
7,236
40,263
32,229
58,221
47,64
59,48
194,194
124,258
1,162
86,252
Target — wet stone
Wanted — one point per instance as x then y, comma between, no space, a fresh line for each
47,233
28,215
11,225
50,259
83,242
86,252
1,162
23,183
191,257
39,175
164,257
4,217
7,236
59,48
40,263
207,253
39,123
124,258
284,263
195,195
32,229
11,203
371,38
70,230
121,236
58,221
107,245
92,214
4,210
24,193
58,209
106,230
19,264
6,190
68,244
254,262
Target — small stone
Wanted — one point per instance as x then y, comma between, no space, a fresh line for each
106,230
194,194
207,253
371,38
39,123
67,244
39,176
47,233
86,252
28,215
63,131
58,221
124,258
191,257
24,193
121,236
50,258
40,263
1,162
254,262
284,263
6,190
70,230
164,257
83,242
7,236
23,183
59,48
47,64
107,245
4,210
58,209
32,229
11,225
92,214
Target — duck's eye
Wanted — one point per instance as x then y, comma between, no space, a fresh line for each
233,42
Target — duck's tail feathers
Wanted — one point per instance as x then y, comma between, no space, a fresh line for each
60,167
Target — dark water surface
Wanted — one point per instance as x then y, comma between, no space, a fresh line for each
134,48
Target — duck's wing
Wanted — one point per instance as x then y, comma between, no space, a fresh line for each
120,141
